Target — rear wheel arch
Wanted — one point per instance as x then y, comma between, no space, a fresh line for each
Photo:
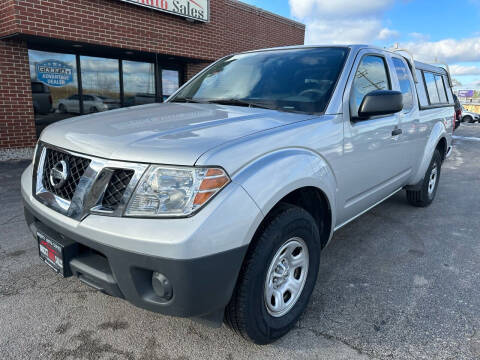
442,147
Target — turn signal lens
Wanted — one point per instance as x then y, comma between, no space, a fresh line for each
214,180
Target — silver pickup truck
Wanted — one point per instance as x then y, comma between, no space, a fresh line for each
216,204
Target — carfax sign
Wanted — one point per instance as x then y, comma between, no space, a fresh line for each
54,73
191,9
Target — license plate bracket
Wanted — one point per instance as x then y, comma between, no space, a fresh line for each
55,253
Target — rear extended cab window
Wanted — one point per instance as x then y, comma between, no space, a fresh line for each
403,76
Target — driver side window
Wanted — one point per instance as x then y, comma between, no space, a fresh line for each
371,75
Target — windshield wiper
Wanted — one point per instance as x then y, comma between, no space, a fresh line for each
188,100
240,102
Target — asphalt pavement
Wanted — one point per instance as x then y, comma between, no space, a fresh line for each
397,283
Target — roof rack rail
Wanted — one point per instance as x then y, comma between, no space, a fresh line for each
410,60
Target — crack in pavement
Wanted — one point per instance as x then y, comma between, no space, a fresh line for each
330,337
9,221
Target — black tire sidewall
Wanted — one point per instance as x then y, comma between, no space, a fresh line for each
261,326
435,159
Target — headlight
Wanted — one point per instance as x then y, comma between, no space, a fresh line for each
166,191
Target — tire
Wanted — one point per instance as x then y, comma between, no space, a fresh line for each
248,313
426,194
467,118
93,109
62,108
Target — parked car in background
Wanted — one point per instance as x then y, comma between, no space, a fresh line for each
42,98
469,116
218,203
458,111
91,104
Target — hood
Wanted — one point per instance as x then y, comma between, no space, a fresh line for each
169,133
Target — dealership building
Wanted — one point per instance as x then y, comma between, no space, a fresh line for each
64,58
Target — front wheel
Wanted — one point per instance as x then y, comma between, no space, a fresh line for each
277,277
425,195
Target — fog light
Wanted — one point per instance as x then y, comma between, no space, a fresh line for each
162,286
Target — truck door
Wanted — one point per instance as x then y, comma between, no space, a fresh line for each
369,169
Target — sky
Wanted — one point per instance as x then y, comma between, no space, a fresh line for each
443,31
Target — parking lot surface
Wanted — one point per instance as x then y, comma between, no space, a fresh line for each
397,283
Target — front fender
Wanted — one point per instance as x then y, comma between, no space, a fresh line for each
436,134
273,176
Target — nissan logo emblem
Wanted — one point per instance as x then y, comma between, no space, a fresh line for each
59,174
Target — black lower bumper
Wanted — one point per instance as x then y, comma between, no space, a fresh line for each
201,287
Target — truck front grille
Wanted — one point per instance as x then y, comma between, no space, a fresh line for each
76,169
77,185
116,187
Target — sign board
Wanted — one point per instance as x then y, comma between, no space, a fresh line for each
465,93
192,9
54,73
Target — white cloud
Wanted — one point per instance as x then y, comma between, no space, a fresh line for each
343,21
387,34
338,8
464,70
447,50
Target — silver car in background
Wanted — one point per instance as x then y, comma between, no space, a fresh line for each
469,116
91,104
218,203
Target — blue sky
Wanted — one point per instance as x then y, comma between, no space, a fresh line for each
448,31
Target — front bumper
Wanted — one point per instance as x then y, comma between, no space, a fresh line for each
200,256
200,286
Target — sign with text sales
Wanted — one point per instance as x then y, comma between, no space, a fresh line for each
192,9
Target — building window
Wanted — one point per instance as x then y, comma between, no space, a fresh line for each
54,77
170,82
138,83
100,84
57,94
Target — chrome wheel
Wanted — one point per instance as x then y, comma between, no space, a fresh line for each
286,277
432,182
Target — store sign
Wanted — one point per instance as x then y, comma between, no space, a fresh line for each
191,9
54,73
465,93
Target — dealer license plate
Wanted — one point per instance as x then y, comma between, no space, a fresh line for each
51,252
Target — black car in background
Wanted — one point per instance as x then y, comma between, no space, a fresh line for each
458,111
42,99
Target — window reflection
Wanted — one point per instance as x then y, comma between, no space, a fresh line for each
371,75
100,83
53,77
138,83
55,88
405,85
170,82
432,88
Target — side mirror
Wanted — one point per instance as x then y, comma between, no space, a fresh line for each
380,102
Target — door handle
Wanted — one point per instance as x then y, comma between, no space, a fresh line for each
396,132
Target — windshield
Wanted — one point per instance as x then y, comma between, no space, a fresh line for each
299,80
